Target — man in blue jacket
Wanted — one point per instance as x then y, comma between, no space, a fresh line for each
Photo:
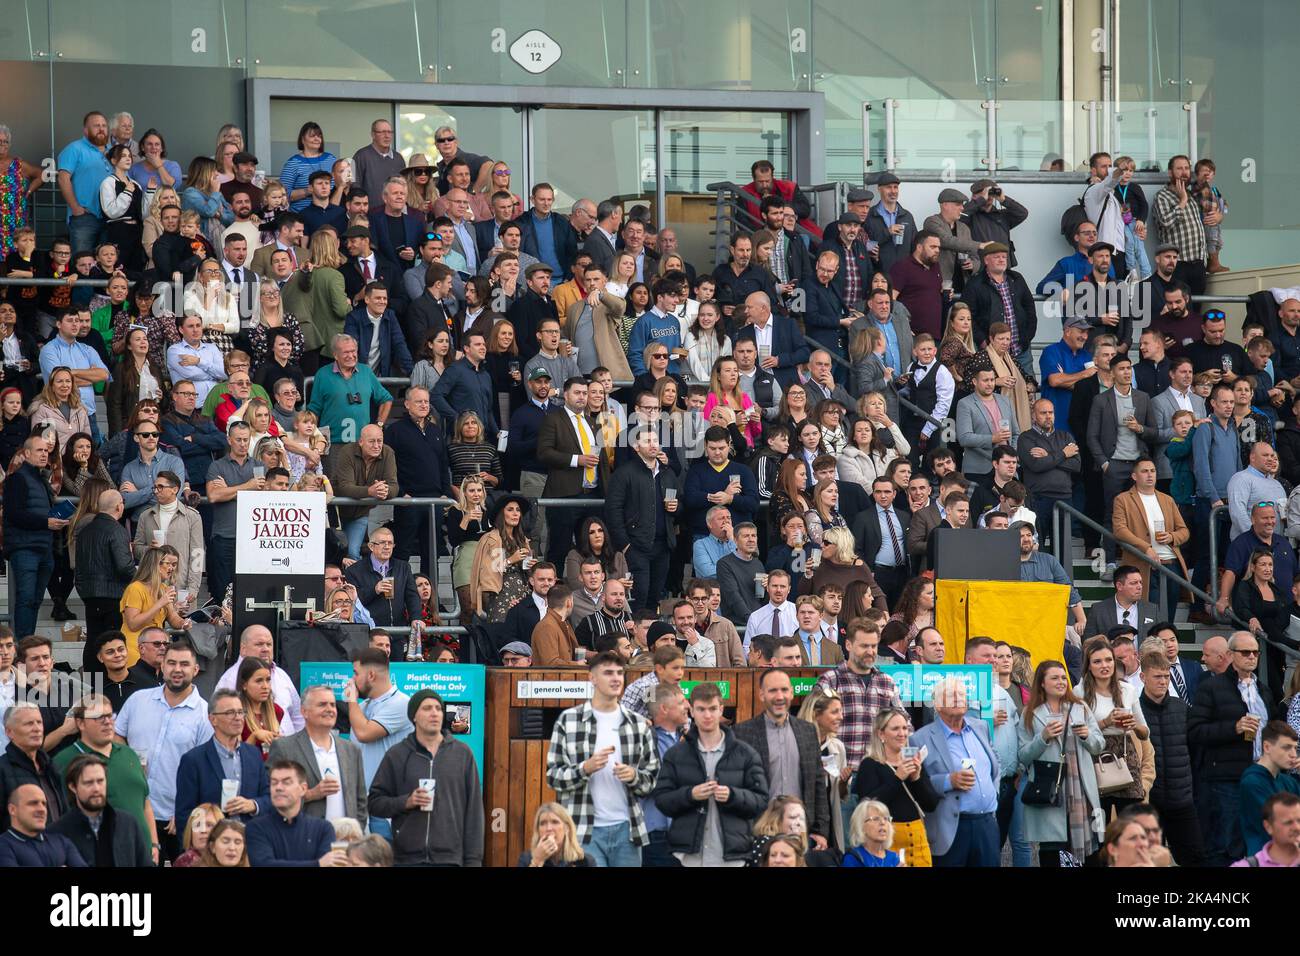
26,842
284,835
825,316
660,325
467,386
523,470
715,480
193,435
29,533
781,347
380,341
202,773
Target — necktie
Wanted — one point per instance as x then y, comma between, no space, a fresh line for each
293,256
893,537
235,275
814,652
588,474
365,269
1180,683
776,622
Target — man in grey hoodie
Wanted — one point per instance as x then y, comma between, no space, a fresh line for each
428,785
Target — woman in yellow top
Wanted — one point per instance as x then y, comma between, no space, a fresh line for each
150,599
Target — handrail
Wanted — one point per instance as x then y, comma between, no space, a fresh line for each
46,281
1214,550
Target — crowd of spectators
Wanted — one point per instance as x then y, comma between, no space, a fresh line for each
800,426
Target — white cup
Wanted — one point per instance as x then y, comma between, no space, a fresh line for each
229,790
670,494
430,786
159,538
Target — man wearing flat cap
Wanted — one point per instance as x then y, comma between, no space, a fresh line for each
853,267
889,225
365,266
999,294
1103,301
958,250
992,215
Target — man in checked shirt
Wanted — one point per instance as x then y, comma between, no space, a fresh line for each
865,691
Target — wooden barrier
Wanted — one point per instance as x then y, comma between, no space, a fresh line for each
514,771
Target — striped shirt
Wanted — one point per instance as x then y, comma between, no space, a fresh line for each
296,170
470,459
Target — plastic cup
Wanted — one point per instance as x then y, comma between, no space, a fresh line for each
670,494
229,790
159,538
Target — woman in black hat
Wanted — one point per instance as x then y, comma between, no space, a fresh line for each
497,578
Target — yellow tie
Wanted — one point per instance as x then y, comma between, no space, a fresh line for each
588,474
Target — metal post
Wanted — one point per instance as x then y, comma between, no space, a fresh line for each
866,137
890,160
1090,108
1151,114
990,108
1190,108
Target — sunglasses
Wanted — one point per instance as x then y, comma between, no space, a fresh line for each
148,434
501,172
445,139
1214,315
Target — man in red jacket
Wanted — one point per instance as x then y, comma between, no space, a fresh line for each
765,183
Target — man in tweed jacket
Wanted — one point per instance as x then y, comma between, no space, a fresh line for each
602,759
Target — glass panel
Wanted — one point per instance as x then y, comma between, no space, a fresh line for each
494,131
345,123
154,32
1149,122
707,147
337,39
1150,131
1028,41
720,44
474,41
617,158
939,76
26,35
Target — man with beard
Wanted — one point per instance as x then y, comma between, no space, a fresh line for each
162,724
82,168
919,284
103,836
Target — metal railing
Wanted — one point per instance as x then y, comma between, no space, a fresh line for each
731,213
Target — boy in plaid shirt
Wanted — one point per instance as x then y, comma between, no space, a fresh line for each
602,759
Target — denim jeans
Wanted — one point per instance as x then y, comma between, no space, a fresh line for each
1224,843
85,232
658,852
1011,821
31,570
612,846
356,532
1136,251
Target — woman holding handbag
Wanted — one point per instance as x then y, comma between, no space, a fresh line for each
1058,739
895,779
1114,703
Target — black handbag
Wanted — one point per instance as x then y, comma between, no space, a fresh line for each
1044,788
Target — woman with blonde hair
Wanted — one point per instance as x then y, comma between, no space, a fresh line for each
229,133
208,298
786,819
468,454
871,833
150,598
957,349
622,273
897,783
841,566
724,390
500,183
555,840
421,189
198,828
322,311
59,406
824,709
202,194
153,228
875,441
467,525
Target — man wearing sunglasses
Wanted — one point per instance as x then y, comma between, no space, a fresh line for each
480,167
138,476
1213,353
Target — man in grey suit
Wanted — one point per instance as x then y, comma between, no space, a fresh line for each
1121,429
1127,607
1176,397
790,752
961,764
335,776
977,431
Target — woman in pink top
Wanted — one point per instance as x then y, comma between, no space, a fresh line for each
724,389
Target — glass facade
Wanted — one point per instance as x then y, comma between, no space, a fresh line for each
182,65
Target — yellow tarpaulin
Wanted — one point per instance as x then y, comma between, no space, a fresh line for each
1030,614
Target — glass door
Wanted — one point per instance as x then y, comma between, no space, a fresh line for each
1150,123
595,154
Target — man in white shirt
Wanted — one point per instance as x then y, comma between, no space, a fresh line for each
193,360
1105,209
334,768
777,617
1177,397
8,678
699,650
256,641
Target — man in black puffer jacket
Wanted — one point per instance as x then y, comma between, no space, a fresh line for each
713,787
1171,794
1217,726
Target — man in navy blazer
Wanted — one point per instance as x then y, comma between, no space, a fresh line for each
1184,676
486,230
394,356
201,771
404,252
776,336
564,240
961,764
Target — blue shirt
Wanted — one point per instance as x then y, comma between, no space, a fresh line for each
389,710
983,797
1068,272
164,734
142,476
892,358
706,554
655,819
88,168
1245,544
544,230
1059,357
468,248
75,355
890,531
1045,568
1216,457
1006,739
232,767
381,567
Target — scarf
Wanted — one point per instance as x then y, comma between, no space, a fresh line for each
1017,394
1078,814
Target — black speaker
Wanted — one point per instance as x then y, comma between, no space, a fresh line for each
975,554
